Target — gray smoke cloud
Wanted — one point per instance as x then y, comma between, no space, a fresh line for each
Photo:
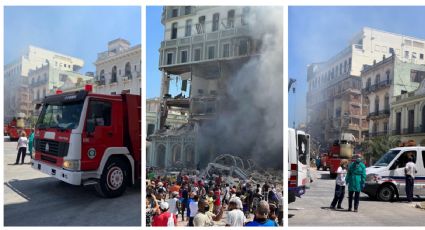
251,124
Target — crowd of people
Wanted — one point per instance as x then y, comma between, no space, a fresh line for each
173,201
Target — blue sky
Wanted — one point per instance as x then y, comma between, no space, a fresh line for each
80,32
317,33
155,34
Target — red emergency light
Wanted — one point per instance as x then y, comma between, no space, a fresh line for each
88,88
59,91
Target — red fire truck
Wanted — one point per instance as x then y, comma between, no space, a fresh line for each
83,138
14,128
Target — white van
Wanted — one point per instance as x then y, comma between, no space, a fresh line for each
386,178
299,168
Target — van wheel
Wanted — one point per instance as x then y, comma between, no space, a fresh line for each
113,181
385,193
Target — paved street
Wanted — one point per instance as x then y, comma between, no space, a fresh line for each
34,199
313,209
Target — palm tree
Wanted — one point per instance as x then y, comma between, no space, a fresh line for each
377,146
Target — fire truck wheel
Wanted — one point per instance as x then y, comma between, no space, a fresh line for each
386,193
113,181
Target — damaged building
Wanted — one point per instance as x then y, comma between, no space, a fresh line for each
335,101
204,48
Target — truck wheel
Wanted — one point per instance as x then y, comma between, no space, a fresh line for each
113,181
385,193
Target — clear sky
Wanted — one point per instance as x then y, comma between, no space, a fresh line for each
154,36
80,32
317,33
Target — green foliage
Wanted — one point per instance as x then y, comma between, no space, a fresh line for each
377,146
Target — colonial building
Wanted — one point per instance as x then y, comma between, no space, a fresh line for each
408,115
383,81
334,100
45,80
118,70
203,47
17,93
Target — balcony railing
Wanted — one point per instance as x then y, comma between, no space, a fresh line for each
379,114
414,130
377,86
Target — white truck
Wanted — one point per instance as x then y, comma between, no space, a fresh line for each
299,168
386,178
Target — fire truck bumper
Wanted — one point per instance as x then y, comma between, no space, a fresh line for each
69,177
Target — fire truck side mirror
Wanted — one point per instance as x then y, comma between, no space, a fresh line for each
90,126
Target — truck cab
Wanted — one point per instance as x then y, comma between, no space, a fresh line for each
386,178
299,158
84,138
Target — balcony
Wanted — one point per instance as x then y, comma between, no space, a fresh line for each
414,130
377,86
379,114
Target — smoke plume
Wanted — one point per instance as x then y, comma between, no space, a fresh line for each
250,124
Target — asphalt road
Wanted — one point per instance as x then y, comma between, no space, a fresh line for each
34,199
313,209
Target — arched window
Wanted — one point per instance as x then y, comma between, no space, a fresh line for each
102,77
128,70
114,74
160,157
377,104
377,79
176,153
387,103
231,18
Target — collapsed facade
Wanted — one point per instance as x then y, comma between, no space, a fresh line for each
203,47
335,103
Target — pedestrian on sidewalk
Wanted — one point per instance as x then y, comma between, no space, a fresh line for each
410,171
340,185
22,147
355,179
30,142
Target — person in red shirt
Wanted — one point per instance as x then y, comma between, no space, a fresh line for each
217,200
161,220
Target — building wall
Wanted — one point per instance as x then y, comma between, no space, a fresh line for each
108,60
17,90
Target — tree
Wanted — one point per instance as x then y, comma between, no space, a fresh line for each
377,146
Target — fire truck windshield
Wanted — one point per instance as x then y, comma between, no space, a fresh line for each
65,116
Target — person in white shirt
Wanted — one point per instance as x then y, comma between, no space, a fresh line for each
410,171
193,207
22,147
340,185
173,203
235,216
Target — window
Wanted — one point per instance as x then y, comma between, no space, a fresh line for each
376,104
245,15
406,54
201,25
243,47
113,93
128,70
102,77
187,10
99,113
387,102
345,66
421,56
169,58
226,50
174,13
183,56
211,52
188,28
340,68
423,158
385,127
398,123
114,74
125,91
413,55
151,129
231,18
174,30
411,121
388,76
216,18
417,76
377,79
336,70
391,50
197,55
403,159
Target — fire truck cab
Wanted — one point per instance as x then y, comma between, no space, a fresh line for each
84,138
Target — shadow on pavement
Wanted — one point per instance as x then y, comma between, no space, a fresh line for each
50,202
